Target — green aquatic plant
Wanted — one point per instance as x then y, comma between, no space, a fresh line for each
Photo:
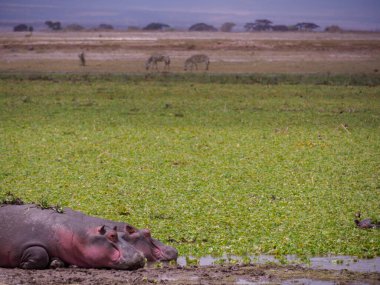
246,169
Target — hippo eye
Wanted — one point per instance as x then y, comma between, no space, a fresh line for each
130,237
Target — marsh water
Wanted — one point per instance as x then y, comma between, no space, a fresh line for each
329,262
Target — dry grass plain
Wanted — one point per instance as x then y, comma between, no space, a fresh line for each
119,52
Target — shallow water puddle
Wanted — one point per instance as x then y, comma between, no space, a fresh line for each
300,281
307,281
329,262
242,281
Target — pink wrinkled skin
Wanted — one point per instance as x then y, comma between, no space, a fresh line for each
73,249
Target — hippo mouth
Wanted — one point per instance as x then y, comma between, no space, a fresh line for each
158,254
137,261
116,257
119,261
165,254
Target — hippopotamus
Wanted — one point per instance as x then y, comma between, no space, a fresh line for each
141,239
32,237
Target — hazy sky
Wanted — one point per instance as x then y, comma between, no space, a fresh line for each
361,14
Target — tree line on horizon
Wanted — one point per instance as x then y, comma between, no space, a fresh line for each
260,25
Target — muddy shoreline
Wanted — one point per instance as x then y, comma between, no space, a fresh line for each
175,274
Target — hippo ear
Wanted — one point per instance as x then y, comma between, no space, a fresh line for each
102,230
147,233
130,229
115,228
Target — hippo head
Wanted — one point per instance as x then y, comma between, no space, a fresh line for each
151,248
109,251
100,247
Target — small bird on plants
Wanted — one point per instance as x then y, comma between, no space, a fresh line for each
366,223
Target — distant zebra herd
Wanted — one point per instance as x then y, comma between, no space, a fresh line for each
156,58
190,63
152,62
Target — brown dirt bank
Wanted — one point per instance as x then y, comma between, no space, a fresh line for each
217,274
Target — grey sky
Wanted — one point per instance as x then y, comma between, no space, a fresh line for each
361,14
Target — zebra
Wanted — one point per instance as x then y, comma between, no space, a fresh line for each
195,59
154,59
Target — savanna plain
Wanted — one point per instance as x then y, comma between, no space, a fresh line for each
272,151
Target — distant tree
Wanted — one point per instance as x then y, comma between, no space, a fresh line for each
306,26
263,25
22,28
156,27
311,26
227,27
105,27
333,29
202,27
55,26
74,27
258,26
280,28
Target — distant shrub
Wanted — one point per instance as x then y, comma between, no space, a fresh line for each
156,27
306,26
202,27
292,28
259,26
74,27
23,28
55,26
105,27
227,27
333,29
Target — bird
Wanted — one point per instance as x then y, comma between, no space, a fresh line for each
366,223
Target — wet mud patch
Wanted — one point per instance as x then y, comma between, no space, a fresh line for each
216,274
